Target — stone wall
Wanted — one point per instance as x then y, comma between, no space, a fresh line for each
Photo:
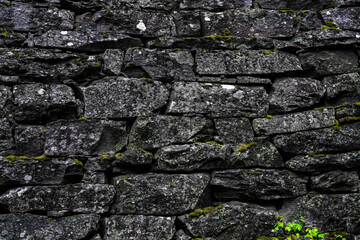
178,119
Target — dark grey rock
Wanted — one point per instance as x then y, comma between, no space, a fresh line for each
77,198
190,157
215,4
123,98
113,61
335,182
44,101
12,39
187,23
158,194
134,157
5,100
139,227
348,110
290,94
244,61
321,140
162,64
84,137
6,137
181,235
29,140
30,226
96,237
8,79
256,183
253,80
232,220
263,154
330,62
295,122
298,5
309,20
234,130
344,18
324,162
158,131
346,84
249,22
218,100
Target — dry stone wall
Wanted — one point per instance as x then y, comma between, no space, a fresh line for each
178,119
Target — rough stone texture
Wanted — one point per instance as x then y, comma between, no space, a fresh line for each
214,4
295,122
77,198
129,98
245,62
324,162
321,140
234,130
263,154
344,18
5,99
290,94
113,61
158,194
190,157
30,226
218,101
336,181
158,131
44,101
139,227
232,221
84,137
30,140
298,5
346,84
187,23
6,138
348,110
330,62
257,183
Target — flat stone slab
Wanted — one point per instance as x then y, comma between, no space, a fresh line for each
6,136
215,4
321,140
298,5
158,194
257,183
294,122
113,61
123,98
344,18
335,182
234,130
326,37
139,227
218,100
346,84
77,198
29,140
84,137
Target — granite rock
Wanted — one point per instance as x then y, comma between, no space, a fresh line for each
5,100
335,182
344,18
6,137
298,5
113,61
29,140
234,130
215,4
340,85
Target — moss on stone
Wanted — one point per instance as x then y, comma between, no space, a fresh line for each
253,38
337,125
42,158
265,53
329,25
269,116
204,211
145,152
245,147
348,119
78,162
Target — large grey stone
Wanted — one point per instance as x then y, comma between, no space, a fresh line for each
218,100
187,23
344,18
215,4
335,182
231,220
29,140
290,94
158,131
295,122
123,98
6,137
348,110
297,5
257,183
84,137
234,130
139,227
113,61
77,198
321,140
5,100
158,194
31,226
340,85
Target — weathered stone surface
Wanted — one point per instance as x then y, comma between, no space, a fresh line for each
344,18
244,61
346,84
263,154
187,23
232,220
219,101
348,110
214,4
5,99
158,194
6,137
158,131
23,17
12,39
324,162
44,102
7,79
77,198
33,171
321,140
290,94
113,61
309,21
249,22
30,226
295,122
189,157
123,98
257,183
162,64
327,212
29,140
84,137
330,62
336,181
234,130
301,4
139,227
